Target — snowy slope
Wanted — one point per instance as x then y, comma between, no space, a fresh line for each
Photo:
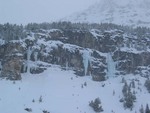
62,92
122,12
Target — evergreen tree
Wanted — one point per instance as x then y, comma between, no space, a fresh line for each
129,97
147,110
147,85
125,88
141,109
133,84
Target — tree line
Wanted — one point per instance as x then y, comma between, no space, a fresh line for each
15,32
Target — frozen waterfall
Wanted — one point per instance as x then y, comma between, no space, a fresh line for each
111,66
29,52
86,60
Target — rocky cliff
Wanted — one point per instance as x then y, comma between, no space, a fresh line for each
92,51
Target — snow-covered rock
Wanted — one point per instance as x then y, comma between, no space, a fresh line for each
95,50
53,63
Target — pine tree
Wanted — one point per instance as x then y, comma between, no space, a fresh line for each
129,97
147,85
40,99
125,88
133,84
141,109
147,110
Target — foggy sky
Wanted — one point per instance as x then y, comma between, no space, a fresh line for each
26,11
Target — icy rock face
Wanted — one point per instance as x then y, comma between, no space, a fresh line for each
63,55
98,66
67,49
99,51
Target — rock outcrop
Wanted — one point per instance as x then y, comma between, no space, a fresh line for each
83,50
12,60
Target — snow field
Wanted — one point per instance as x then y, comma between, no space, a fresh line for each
62,92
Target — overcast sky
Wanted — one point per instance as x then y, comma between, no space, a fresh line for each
25,11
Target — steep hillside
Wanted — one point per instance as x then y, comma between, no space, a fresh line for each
122,12
86,51
59,91
62,67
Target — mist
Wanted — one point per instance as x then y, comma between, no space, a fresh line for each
27,11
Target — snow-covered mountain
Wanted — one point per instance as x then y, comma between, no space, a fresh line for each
74,68
122,12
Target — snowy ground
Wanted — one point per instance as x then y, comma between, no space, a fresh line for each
61,92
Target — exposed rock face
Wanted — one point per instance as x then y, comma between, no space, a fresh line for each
129,62
84,51
69,56
11,69
12,61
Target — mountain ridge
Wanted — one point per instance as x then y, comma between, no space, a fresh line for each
132,13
